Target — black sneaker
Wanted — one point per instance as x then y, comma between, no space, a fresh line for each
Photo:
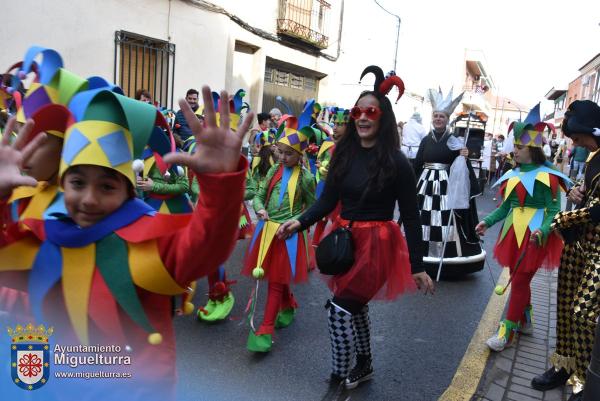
362,372
550,379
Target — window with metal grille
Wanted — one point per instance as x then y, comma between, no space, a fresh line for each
282,78
145,63
296,81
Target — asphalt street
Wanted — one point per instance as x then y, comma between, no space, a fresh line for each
418,341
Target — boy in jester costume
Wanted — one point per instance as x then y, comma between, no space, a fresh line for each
287,190
103,267
220,297
531,198
44,103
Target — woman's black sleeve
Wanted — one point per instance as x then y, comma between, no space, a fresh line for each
418,162
322,207
409,213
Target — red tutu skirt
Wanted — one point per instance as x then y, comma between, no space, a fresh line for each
246,226
381,267
507,253
276,263
322,224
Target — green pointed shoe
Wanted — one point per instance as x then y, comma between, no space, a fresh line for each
259,343
207,313
223,308
285,317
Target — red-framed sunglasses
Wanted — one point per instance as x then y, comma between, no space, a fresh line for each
372,112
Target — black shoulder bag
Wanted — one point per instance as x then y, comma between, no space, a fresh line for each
335,252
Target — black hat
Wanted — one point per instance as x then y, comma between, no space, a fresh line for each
582,117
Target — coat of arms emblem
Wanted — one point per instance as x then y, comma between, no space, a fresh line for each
30,355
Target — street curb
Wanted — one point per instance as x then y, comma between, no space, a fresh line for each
508,373
472,366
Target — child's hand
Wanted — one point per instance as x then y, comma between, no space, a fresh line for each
145,184
480,228
218,149
288,228
262,214
536,237
12,157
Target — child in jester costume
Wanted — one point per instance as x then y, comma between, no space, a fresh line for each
261,163
102,267
45,103
340,119
531,198
287,190
163,188
220,297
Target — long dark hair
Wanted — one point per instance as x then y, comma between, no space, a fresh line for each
382,166
265,153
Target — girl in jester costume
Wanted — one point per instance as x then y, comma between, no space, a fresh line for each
286,192
220,297
340,120
103,267
165,189
261,163
531,198
45,103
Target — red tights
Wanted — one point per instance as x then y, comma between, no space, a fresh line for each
520,296
279,298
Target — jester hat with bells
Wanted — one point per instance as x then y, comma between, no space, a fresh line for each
384,83
107,130
443,105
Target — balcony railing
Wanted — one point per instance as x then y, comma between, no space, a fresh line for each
305,20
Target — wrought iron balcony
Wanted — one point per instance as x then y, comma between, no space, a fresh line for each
305,20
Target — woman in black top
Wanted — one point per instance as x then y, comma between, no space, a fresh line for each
368,158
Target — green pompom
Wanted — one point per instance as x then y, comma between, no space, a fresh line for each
258,272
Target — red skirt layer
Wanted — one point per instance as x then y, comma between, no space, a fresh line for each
507,252
322,224
246,231
381,267
277,264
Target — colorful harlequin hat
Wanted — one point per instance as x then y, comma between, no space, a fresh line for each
384,83
160,143
109,130
531,131
340,115
52,89
297,138
265,137
236,106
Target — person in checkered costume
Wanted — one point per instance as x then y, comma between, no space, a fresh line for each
578,290
447,234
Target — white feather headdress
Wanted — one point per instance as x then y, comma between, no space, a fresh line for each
439,104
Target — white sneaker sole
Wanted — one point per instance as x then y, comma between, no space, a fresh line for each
355,384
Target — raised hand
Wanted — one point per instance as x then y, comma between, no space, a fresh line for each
218,148
14,156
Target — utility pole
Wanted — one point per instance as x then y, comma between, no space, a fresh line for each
397,32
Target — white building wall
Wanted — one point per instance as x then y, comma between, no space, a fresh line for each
83,32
